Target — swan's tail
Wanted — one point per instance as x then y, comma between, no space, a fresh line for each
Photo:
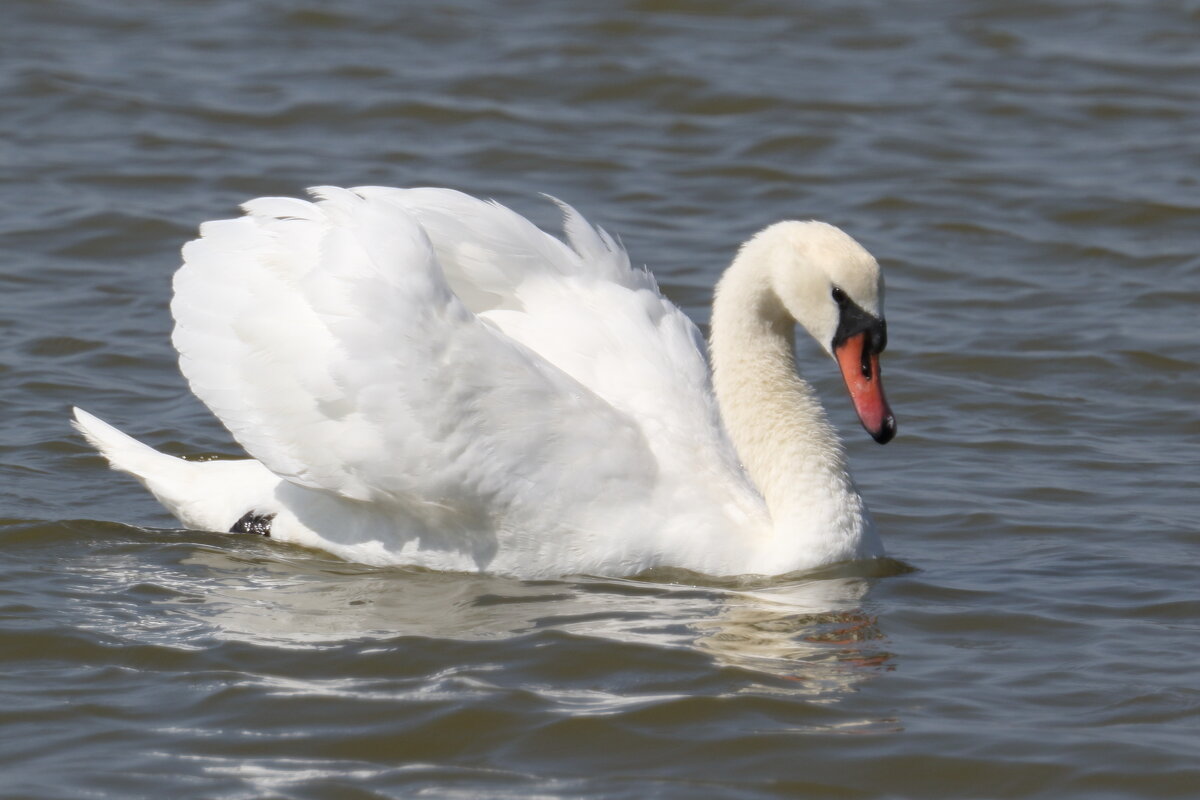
124,453
203,495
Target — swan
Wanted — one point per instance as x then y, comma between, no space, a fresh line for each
425,378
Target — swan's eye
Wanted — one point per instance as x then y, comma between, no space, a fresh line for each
839,296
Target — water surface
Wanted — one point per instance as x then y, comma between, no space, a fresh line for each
1027,174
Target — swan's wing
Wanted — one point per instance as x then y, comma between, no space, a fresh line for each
488,252
579,304
585,309
326,339
640,353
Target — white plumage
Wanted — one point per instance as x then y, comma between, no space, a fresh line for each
425,378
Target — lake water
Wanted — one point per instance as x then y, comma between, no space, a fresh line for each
1027,172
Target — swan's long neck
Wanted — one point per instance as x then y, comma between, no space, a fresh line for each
773,416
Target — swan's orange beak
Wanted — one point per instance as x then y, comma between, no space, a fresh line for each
860,369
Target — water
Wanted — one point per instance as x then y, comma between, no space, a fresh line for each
1027,173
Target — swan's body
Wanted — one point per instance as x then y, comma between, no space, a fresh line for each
425,378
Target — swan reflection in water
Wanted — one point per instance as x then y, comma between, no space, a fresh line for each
815,633
807,634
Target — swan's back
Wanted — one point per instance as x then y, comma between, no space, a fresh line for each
443,360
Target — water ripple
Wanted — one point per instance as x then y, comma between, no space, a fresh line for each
1024,170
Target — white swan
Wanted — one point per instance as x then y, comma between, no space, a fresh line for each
427,378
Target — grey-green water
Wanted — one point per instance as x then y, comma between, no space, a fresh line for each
1027,172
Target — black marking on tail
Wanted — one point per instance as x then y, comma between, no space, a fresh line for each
253,523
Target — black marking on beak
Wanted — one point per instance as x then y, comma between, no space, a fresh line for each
853,320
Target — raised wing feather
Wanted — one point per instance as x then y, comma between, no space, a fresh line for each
326,338
584,309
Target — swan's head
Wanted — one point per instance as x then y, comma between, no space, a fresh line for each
833,288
